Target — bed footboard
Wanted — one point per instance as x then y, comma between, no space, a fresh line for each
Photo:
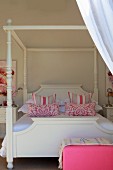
43,138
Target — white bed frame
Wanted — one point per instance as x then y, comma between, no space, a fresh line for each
69,127
44,136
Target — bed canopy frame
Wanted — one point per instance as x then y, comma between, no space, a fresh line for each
10,30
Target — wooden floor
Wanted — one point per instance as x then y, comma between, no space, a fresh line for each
31,163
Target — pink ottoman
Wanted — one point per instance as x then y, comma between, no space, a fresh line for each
80,157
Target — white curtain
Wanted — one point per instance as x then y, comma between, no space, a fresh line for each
98,17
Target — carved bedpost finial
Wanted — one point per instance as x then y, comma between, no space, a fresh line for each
9,22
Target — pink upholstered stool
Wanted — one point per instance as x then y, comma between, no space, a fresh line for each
87,157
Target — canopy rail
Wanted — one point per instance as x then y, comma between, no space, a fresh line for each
46,27
59,49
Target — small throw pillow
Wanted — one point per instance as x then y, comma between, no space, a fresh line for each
80,110
44,100
79,98
43,110
24,108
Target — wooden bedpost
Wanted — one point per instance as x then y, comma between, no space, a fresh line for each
9,121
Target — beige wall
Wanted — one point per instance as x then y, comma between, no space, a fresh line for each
61,68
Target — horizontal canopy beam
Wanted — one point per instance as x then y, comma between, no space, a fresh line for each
46,27
59,49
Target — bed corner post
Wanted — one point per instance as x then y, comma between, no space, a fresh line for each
25,76
9,121
95,96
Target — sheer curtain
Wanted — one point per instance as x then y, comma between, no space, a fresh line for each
98,17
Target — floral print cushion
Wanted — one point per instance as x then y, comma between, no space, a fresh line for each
80,109
43,110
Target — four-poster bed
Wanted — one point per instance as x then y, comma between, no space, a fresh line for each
57,128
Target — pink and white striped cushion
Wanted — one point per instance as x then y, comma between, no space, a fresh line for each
79,98
43,110
43,100
80,109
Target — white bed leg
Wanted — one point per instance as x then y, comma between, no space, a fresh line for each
10,165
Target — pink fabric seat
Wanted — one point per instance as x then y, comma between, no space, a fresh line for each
80,157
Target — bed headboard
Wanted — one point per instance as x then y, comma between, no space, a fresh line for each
61,91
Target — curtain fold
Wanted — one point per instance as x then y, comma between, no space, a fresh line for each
98,17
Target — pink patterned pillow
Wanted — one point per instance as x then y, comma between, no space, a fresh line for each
80,110
43,100
43,110
79,98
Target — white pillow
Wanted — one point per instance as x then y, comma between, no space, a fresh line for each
24,108
30,101
97,107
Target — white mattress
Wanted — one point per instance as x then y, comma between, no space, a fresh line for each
25,121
